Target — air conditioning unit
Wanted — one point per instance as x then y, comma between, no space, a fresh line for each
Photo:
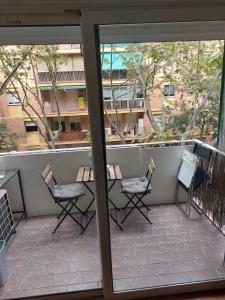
6,216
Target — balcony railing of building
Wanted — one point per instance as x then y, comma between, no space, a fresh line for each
82,107
69,46
124,104
71,136
65,76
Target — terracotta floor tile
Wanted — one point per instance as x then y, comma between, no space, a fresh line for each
174,249
83,286
135,283
48,269
178,278
35,282
203,275
68,278
34,292
84,265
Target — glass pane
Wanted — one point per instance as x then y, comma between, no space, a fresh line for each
45,108
163,219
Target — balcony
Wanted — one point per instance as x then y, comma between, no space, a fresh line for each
175,249
137,104
80,108
71,136
65,76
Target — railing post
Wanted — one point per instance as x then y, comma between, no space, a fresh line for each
221,120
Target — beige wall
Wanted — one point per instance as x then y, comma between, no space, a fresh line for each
73,62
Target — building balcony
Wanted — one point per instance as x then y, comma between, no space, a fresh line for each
123,106
64,76
137,104
174,250
71,136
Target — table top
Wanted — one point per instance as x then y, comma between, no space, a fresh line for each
85,174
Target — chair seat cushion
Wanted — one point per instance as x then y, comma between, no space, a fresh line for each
135,185
68,191
136,180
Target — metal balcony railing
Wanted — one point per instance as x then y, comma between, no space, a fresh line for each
124,104
71,136
62,76
109,105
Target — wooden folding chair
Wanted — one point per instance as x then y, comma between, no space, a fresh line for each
135,189
65,196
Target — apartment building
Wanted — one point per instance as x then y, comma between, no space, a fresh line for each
73,103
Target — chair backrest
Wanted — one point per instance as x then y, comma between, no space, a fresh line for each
202,152
151,169
47,176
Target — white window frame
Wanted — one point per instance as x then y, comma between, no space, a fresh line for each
9,97
90,22
154,12
170,87
28,124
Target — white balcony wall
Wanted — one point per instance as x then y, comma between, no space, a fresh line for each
65,164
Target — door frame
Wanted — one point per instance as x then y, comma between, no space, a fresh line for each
90,22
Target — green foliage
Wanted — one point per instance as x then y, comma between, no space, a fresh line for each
7,139
19,66
194,68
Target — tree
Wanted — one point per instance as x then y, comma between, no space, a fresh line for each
7,139
115,97
194,68
152,65
197,80
19,67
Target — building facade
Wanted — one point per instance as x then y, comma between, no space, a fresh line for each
73,104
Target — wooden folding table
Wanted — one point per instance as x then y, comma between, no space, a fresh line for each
85,176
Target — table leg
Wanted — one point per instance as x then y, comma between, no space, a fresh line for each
94,213
92,193
117,223
87,209
109,189
22,195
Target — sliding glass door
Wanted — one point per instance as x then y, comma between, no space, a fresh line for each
156,88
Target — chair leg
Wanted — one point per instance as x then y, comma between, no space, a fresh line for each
140,199
146,217
127,202
61,213
63,218
135,205
87,209
89,221
116,222
67,213
131,209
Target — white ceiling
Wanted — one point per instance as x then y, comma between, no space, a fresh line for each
15,14
58,6
115,33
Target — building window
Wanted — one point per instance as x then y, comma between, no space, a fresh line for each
107,93
75,126
12,99
30,127
122,93
56,126
139,95
115,74
169,90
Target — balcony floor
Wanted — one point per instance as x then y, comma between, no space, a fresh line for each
175,249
